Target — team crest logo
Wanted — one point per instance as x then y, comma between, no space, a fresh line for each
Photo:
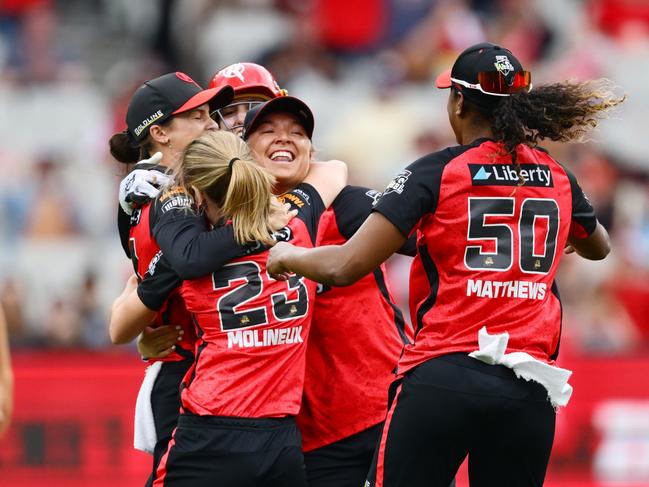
503,65
234,71
398,183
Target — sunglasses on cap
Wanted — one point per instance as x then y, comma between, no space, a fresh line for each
494,83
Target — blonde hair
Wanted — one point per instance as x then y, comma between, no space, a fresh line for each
241,188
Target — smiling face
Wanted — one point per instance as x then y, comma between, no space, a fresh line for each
280,144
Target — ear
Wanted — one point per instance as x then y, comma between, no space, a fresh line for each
199,196
158,134
459,104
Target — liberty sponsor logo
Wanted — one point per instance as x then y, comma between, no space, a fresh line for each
506,289
147,121
397,184
265,337
536,175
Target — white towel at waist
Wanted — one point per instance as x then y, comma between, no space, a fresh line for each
554,379
144,434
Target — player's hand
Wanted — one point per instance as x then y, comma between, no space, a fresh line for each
142,184
6,401
280,214
277,255
569,249
159,342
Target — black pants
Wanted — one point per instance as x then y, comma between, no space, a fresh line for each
455,405
344,463
165,403
209,451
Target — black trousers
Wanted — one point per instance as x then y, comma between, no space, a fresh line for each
209,451
453,406
165,403
344,463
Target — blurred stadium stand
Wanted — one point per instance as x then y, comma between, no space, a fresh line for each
67,69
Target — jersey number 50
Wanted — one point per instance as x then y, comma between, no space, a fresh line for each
232,308
532,258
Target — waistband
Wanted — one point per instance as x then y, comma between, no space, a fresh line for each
188,419
463,360
176,366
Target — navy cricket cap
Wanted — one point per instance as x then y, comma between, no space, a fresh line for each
286,104
488,71
170,94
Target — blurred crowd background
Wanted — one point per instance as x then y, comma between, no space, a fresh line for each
68,68
366,67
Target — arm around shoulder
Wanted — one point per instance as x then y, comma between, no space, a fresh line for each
328,178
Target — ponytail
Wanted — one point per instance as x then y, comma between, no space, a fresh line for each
122,150
561,112
219,164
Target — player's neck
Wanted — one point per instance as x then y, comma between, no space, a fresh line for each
473,131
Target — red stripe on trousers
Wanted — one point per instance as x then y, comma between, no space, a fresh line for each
384,439
161,472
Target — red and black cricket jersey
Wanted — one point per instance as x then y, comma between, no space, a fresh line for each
357,335
144,252
252,330
488,249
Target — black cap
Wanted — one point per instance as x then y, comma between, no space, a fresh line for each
287,104
160,98
483,57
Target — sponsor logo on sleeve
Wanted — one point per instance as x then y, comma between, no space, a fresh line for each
154,262
175,202
534,175
295,198
397,184
374,195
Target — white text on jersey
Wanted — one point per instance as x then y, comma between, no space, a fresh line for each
264,338
506,289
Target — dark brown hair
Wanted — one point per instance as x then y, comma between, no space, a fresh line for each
562,112
122,148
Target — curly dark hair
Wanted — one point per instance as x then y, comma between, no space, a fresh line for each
561,112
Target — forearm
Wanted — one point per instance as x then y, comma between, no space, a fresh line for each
328,264
128,318
343,265
596,247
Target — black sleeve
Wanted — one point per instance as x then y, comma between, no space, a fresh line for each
414,192
124,228
352,207
182,235
584,220
309,205
159,282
